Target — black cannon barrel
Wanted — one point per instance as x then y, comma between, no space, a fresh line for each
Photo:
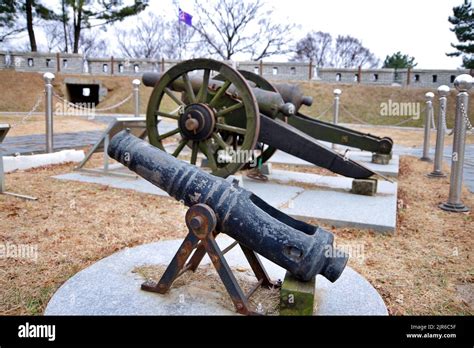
302,249
150,79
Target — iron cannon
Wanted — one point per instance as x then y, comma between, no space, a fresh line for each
220,110
217,205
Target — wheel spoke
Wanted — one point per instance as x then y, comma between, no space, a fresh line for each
204,146
202,94
170,94
168,134
194,152
167,115
220,92
232,129
189,88
180,147
217,137
229,109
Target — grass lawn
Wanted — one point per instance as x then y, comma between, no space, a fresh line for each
424,268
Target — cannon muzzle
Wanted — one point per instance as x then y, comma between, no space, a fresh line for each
150,79
302,249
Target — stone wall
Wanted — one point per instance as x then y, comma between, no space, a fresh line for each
298,71
42,62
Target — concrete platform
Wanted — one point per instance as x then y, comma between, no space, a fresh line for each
109,287
329,200
364,158
305,196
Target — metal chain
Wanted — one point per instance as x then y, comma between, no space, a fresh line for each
324,112
445,125
353,116
433,125
402,122
116,105
88,109
407,120
466,119
33,109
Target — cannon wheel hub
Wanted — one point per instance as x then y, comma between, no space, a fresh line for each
197,122
205,117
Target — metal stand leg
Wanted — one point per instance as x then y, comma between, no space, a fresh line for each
225,273
106,156
257,267
201,222
2,176
175,268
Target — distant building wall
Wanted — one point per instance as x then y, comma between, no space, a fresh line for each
78,64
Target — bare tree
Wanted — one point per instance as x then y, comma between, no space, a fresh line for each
145,40
350,53
91,43
180,41
229,27
155,37
54,37
315,46
11,33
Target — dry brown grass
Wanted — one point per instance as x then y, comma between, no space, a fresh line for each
62,124
417,269
75,224
25,87
362,100
406,137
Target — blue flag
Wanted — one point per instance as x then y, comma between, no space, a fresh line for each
185,17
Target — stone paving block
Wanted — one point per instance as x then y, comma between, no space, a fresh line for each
297,297
367,187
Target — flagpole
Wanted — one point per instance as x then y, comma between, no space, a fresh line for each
179,34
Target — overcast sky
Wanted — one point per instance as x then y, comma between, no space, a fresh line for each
416,27
419,28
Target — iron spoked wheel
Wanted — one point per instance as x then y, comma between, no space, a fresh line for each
205,115
266,150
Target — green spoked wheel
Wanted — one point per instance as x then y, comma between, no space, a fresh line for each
207,118
266,151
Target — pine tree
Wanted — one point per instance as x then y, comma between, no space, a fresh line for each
463,22
11,11
399,61
101,12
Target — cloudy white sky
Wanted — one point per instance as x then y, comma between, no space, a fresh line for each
417,27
